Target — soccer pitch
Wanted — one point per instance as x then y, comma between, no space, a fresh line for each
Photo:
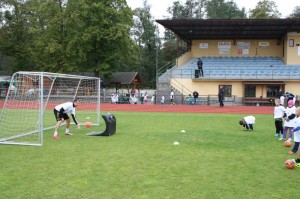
215,159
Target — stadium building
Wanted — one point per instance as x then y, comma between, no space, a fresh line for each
253,59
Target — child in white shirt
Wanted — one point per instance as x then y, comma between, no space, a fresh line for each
278,115
248,122
289,122
296,137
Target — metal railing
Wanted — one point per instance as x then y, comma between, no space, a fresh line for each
272,74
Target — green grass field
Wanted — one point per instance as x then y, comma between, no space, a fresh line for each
215,159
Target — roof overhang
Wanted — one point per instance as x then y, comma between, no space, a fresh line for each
126,78
231,29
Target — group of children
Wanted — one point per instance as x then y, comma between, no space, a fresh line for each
287,122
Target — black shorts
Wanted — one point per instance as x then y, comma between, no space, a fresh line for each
56,113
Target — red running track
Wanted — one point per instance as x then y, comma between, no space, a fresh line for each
165,108
188,108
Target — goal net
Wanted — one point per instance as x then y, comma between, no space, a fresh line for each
30,100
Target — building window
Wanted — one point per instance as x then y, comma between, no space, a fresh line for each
272,91
250,91
291,43
227,90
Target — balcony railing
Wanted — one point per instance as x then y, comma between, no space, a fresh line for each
253,74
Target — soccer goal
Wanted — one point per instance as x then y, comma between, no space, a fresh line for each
28,107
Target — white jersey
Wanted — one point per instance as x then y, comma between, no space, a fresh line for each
68,107
278,111
289,111
297,133
172,95
282,100
162,101
249,119
142,93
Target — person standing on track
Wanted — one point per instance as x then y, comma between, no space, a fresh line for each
172,97
61,112
196,95
221,96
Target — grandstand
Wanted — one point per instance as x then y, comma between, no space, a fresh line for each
252,59
268,68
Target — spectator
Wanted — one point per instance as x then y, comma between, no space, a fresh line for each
6,86
114,98
290,96
153,99
162,101
190,99
172,97
282,99
221,96
146,97
133,100
279,94
196,95
200,64
30,91
142,94
132,92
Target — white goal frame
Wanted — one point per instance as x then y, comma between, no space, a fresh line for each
31,97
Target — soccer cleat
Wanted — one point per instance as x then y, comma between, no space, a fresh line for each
291,152
296,164
276,134
55,137
281,138
68,133
290,140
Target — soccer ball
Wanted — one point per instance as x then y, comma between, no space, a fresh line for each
287,143
88,124
290,164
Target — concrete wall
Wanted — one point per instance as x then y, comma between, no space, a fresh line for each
293,52
211,87
184,58
273,49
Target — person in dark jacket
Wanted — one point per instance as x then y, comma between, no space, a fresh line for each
221,96
200,64
196,95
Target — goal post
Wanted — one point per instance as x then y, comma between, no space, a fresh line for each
30,100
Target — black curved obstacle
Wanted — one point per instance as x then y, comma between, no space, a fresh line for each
110,122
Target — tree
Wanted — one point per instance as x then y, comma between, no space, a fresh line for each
146,37
219,9
191,9
296,13
15,38
101,34
66,35
265,9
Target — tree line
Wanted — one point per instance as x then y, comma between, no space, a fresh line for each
102,36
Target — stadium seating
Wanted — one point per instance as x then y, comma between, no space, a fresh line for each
239,67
